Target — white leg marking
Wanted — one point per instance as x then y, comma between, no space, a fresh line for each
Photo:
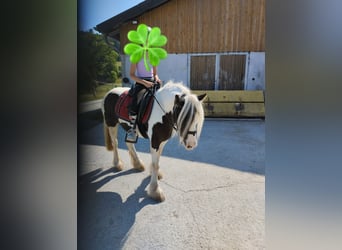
154,190
136,162
113,132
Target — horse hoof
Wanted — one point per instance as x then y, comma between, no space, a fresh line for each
157,195
119,166
140,168
118,169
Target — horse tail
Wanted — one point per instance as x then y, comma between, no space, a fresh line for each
107,137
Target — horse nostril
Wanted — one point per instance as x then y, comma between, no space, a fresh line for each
189,146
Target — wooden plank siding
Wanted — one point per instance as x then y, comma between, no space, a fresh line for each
235,103
207,26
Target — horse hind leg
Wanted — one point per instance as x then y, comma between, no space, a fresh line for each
108,139
111,141
136,162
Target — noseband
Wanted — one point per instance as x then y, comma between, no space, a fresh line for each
192,133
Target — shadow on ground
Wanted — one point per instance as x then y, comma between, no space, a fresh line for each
236,144
104,219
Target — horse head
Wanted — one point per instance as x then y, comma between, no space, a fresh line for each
189,116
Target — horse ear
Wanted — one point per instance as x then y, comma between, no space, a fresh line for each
177,99
202,97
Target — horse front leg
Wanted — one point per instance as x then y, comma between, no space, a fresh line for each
155,191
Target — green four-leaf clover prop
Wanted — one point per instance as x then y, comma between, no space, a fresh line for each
146,44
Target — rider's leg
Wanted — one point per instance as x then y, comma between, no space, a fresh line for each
131,133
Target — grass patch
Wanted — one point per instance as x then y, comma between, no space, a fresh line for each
101,90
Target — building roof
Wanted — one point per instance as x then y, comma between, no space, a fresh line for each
111,26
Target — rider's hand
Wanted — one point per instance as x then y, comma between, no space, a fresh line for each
148,84
158,81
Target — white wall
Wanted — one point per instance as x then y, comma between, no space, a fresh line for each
176,67
256,71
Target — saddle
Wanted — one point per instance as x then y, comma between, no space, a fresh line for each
145,103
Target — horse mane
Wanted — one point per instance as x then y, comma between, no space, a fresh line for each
176,87
191,112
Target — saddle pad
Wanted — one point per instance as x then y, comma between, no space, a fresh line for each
145,107
121,107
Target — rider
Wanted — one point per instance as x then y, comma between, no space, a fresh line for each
143,80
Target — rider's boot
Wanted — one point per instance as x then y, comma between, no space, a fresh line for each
131,135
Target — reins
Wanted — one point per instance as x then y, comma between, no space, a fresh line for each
153,90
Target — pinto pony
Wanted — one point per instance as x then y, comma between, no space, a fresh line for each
175,111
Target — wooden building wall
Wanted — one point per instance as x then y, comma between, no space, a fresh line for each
206,26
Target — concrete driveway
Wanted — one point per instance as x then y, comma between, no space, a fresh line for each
215,195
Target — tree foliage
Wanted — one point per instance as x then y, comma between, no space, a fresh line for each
96,62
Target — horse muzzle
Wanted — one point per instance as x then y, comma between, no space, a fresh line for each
190,141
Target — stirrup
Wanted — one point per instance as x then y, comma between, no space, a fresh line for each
131,136
132,118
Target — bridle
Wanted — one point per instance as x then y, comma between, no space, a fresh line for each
192,132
